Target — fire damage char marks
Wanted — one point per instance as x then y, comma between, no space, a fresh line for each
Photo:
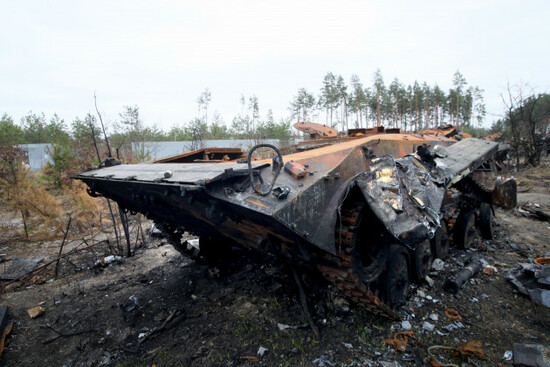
398,200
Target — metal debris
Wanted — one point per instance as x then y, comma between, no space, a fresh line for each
107,260
532,280
426,326
36,311
453,314
131,304
348,346
5,328
399,340
505,193
531,355
534,211
456,282
326,360
454,326
472,348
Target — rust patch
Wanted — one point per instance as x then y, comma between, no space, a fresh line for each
257,202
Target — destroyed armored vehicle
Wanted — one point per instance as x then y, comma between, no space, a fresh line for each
369,211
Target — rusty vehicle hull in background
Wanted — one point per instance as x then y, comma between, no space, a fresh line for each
369,212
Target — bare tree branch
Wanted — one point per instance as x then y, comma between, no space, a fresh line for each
103,127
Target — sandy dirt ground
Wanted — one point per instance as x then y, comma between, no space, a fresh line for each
162,308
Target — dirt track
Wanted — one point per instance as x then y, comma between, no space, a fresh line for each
189,313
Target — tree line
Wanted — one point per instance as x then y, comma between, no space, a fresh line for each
337,104
84,142
343,106
130,128
525,124
410,107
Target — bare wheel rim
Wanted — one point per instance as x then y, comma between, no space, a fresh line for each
423,258
369,258
470,232
440,242
396,281
466,231
486,221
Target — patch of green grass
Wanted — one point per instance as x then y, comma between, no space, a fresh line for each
273,304
297,343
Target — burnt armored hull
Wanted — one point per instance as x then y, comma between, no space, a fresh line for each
342,207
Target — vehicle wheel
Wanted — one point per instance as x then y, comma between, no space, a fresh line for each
486,221
395,281
466,233
369,257
362,240
440,242
422,260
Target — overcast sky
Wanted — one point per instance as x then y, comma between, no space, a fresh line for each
160,55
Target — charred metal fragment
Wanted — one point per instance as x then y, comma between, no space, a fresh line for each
296,170
456,282
403,197
281,192
505,193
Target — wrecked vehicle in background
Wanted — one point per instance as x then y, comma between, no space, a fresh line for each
369,210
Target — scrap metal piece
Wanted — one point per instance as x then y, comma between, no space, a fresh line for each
505,193
296,170
531,355
456,282
404,197
212,154
4,329
36,311
532,280
316,131
281,192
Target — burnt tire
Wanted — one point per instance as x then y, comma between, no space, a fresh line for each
440,242
395,280
422,258
485,221
465,233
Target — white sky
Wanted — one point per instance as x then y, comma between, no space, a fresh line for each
160,55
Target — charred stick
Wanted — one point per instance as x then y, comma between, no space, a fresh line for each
114,222
124,220
59,335
303,301
61,247
103,127
28,275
